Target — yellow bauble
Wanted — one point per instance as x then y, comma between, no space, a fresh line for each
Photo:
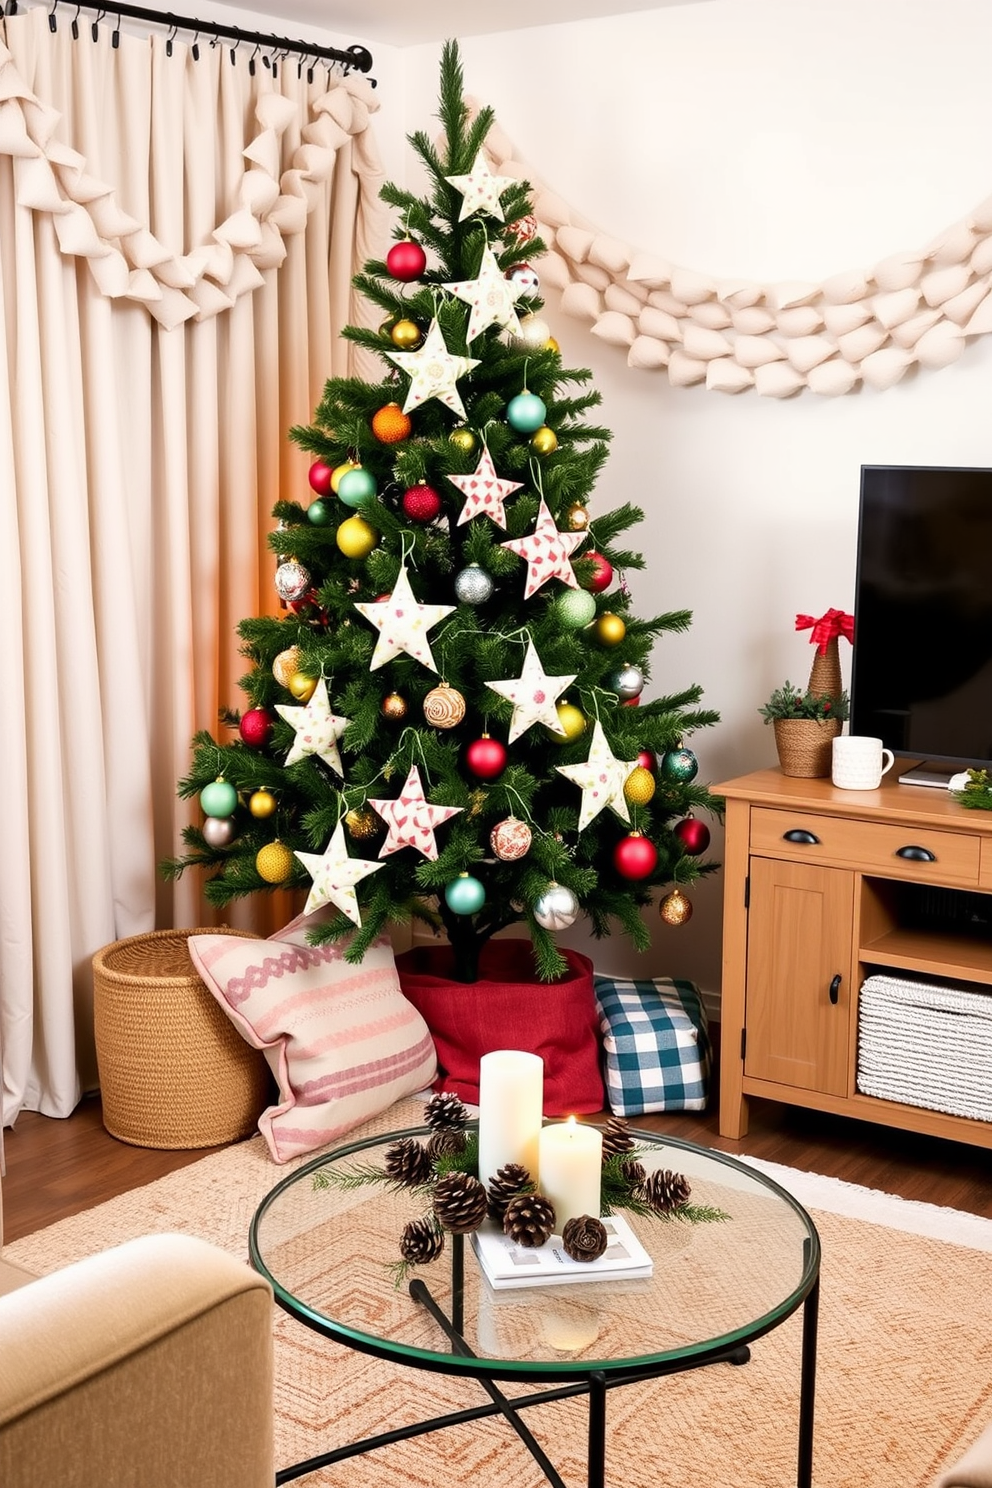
262,803
572,720
639,786
577,517
286,665
463,438
544,441
551,344
274,862
356,538
406,334
609,629
302,687
339,471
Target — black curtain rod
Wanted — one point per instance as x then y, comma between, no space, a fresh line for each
355,58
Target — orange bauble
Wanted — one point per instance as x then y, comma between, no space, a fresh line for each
390,424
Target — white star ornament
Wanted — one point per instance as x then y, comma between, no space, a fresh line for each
547,552
484,491
411,818
533,695
492,298
317,729
433,371
402,624
601,780
334,876
480,189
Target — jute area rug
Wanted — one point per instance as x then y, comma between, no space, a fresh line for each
904,1366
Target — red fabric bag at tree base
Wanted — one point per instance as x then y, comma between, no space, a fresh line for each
508,1008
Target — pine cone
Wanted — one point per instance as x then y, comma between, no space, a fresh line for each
616,1137
446,1142
529,1220
666,1191
408,1161
445,1111
584,1238
509,1181
460,1202
632,1172
421,1241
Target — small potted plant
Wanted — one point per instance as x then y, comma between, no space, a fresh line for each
805,723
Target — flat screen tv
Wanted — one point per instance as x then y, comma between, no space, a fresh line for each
921,676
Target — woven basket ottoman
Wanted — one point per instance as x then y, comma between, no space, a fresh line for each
174,1072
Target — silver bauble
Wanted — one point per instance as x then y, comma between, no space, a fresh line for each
292,580
473,585
627,682
556,908
219,831
534,333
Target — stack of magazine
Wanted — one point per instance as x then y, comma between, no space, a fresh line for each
505,1264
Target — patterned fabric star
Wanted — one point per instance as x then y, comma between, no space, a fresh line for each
484,492
492,297
411,818
334,876
317,729
433,372
402,624
547,552
480,189
601,779
533,696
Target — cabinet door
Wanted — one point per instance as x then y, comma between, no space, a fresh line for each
800,927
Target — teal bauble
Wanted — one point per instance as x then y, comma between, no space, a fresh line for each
465,895
218,798
679,764
320,513
526,413
356,486
575,608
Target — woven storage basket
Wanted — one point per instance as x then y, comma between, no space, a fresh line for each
805,745
174,1072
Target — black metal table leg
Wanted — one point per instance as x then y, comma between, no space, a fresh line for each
596,1472
807,1388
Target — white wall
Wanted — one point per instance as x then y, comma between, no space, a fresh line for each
766,139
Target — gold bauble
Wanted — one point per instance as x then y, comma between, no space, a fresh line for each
262,803
639,786
463,438
286,665
394,707
551,344
362,823
609,629
406,334
675,908
302,687
274,862
577,517
339,471
356,538
444,707
544,441
572,720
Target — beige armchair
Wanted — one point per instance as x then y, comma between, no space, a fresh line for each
150,1365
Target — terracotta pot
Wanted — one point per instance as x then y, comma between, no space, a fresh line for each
804,745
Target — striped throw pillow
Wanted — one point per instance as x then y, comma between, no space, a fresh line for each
342,1041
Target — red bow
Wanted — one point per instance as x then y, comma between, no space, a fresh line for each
829,626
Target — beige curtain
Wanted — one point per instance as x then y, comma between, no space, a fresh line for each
177,238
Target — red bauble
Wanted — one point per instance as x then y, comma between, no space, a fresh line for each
255,728
694,835
646,759
602,576
406,260
319,477
421,503
635,856
486,757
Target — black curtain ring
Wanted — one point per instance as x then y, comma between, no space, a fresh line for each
169,40
115,35
195,48
75,24
95,28
251,62
234,50
53,24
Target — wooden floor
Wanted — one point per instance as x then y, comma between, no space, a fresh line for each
58,1167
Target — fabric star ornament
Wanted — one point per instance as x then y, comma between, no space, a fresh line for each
547,552
433,372
492,297
402,624
601,779
334,876
411,818
533,695
480,189
317,729
484,491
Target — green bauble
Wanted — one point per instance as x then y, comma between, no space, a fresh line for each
679,764
320,513
219,798
576,608
356,486
465,895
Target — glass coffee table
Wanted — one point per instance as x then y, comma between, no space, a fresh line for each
716,1287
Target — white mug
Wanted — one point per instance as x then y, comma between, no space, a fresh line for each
859,762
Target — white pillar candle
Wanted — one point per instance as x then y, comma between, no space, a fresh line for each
570,1168
511,1100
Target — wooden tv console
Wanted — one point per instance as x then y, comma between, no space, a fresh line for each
823,887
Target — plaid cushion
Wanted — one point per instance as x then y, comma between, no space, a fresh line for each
656,1045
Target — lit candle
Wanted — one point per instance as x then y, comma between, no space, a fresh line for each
570,1167
511,1100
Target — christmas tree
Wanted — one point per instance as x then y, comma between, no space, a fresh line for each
445,722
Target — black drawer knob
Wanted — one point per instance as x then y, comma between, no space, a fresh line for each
916,854
800,834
